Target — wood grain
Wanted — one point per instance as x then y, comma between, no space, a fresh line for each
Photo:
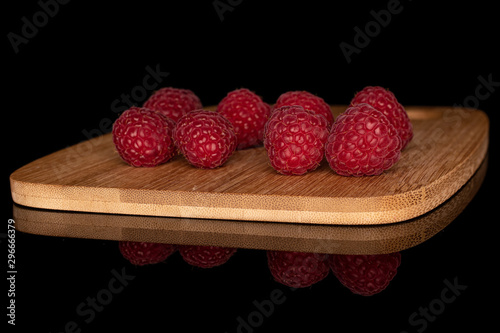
448,146
371,239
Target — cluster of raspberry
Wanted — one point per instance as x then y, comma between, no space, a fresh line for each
298,131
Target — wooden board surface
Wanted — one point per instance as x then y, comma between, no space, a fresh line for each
373,239
448,147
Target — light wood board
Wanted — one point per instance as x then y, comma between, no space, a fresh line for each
448,147
333,239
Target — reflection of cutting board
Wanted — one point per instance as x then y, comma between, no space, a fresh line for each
448,146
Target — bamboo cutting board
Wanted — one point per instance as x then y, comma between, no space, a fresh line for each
333,239
448,146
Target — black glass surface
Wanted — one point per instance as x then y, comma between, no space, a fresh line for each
71,67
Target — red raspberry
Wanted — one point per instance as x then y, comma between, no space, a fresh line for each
206,256
294,139
143,138
362,142
144,253
173,102
205,138
297,269
365,274
308,101
385,101
248,114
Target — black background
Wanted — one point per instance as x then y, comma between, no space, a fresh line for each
62,82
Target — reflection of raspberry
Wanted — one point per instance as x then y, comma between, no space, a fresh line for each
173,102
144,253
248,114
308,101
362,142
143,137
385,101
206,256
294,139
205,138
297,269
365,274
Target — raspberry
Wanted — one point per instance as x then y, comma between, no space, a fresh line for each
365,274
294,139
308,101
205,256
144,253
248,114
205,138
362,142
385,101
143,138
173,102
297,269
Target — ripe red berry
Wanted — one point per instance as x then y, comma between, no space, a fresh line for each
308,101
294,139
297,269
362,142
173,102
206,256
386,102
248,114
365,274
143,138
205,138
145,253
